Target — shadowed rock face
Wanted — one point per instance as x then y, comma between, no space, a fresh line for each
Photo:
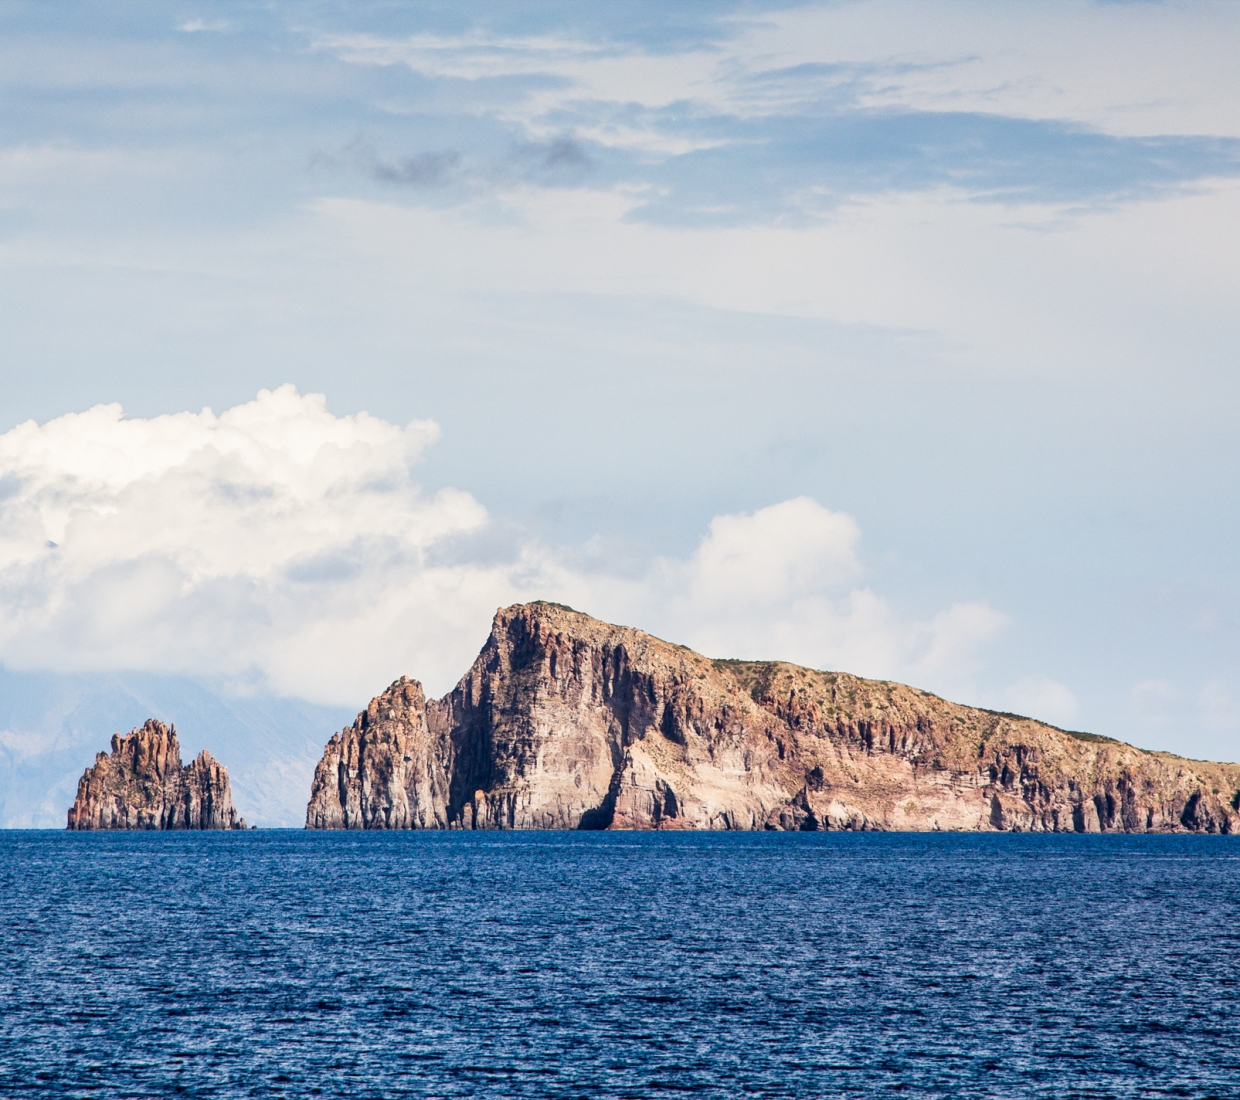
143,785
564,722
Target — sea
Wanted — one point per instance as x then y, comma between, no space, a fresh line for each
584,965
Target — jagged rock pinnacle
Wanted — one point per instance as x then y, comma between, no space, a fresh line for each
143,785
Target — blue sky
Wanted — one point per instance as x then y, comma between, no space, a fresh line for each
960,275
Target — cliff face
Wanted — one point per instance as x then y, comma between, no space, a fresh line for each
565,722
143,785
386,771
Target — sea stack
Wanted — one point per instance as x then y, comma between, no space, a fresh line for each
565,722
143,785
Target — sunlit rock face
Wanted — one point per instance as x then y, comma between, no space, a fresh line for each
565,722
142,784
387,771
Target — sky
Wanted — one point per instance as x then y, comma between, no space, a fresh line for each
888,337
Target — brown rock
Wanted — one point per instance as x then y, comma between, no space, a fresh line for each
385,771
565,722
143,785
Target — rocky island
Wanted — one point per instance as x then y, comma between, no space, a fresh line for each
142,784
565,722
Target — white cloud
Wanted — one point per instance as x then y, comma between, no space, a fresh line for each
1044,698
587,69
1219,712
201,26
193,543
1152,697
953,637
280,542
784,583
1167,714
778,554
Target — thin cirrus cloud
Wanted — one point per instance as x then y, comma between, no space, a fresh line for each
808,166
734,143
280,545
727,116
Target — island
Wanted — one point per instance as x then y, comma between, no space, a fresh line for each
142,784
566,722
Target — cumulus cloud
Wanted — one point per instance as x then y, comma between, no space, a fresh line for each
784,582
1162,710
282,545
1044,698
195,542
778,554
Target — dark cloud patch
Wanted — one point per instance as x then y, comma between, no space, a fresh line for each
555,160
421,170
565,152
456,177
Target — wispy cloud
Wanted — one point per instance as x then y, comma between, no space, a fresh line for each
200,26
728,116
725,137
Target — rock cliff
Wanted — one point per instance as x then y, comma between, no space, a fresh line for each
142,784
565,722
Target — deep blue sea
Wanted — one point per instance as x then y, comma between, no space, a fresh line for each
283,963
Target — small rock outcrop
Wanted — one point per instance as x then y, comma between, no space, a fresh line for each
565,722
142,784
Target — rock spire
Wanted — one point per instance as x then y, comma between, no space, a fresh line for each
142,784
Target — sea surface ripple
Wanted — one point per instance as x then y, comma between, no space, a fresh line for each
268,964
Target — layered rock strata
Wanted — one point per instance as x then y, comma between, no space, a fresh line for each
565,722
142,784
